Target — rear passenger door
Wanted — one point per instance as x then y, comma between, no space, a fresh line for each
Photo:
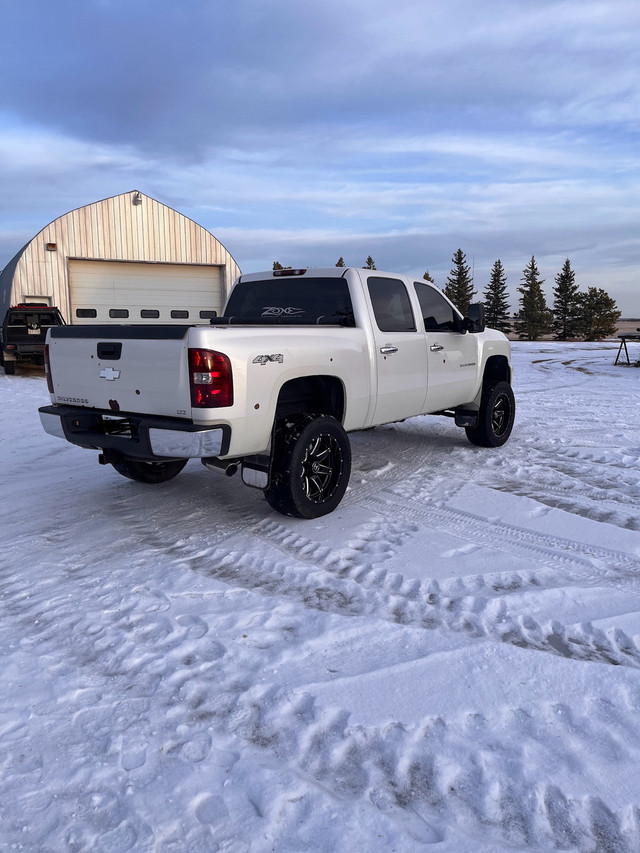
452,354
401,357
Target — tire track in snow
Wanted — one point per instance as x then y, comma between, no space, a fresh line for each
604,507
343,582
551,550
459,771
352,581
426,604
596,485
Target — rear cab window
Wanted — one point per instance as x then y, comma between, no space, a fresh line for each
33,318
308,300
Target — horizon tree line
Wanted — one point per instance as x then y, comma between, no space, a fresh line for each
575,315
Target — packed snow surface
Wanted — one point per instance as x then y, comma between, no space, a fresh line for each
449,662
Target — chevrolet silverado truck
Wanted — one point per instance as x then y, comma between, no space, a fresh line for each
23,334
298,359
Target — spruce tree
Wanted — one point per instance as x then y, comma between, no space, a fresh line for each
496,299
340,262
459,286
597,314
534,319
370,264
565,303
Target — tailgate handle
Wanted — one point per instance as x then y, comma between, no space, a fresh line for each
109,350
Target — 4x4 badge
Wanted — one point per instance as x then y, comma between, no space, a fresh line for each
265,359
109,373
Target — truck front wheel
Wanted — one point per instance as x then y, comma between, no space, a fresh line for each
147,472
495,418
311,466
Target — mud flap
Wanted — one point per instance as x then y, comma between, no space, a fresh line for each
255,471
466,418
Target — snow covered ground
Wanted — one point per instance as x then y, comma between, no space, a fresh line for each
450,662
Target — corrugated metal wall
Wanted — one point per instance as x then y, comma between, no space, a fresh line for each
113,229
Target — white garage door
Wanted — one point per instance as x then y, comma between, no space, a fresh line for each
127,292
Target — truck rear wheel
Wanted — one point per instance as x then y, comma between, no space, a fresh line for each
9,367
147,472
311,466
495,418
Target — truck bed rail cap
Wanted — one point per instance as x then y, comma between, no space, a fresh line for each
146,333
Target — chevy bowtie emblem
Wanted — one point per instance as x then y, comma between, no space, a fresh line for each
109,373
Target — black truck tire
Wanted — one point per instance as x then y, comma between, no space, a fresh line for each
10,368
495,418
147,472
311,466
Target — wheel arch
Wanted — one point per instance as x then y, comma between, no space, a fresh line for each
313,395
497,369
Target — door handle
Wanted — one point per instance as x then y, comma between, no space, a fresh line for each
388,349
436,347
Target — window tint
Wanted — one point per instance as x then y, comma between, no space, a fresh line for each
86,312
436,312
119,313
391,304
303,299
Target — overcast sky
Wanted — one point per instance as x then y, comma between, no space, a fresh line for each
303,130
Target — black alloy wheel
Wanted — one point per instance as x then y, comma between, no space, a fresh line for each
495,418
311,466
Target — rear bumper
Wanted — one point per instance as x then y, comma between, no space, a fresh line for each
136,436
22,350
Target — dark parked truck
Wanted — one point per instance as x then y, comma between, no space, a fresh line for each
23,334
271,388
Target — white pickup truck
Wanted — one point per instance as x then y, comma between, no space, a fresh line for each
299,358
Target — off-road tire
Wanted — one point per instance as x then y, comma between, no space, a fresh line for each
148,472
311,466
495,418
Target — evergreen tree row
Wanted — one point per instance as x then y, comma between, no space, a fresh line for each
587,315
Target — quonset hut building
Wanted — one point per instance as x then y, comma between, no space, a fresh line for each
125,259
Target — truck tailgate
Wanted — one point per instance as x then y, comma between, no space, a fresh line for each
122,368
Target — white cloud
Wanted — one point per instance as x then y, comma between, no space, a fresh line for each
508,128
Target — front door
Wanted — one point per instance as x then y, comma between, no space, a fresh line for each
452,354
453,369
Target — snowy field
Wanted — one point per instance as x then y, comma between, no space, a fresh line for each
450,662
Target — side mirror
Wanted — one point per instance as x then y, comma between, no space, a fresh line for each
474,322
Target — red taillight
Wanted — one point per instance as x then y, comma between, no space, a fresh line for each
47,369
210,379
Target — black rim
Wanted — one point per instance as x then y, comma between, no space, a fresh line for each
501,415
321,468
